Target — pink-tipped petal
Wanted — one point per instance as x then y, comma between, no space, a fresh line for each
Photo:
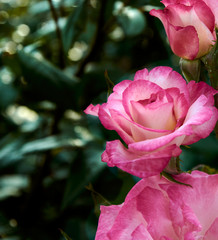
141,75
181,35
201,118
213,5
137,163
166,78
92,110
205,14
198,89
110,123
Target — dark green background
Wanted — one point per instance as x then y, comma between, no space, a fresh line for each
51,174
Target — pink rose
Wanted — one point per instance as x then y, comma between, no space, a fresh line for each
157,209
189,25
154,115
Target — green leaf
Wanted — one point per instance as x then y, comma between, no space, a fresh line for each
110,84
98,199
8,95
44,81
170,178
75,24
84,170
15,147
65,235
191,69
51,142
9,147
211,64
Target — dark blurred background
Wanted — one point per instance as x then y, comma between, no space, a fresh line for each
53,58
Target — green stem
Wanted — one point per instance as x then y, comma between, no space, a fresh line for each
59,35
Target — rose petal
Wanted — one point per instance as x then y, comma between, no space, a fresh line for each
92,110
159,117
201,118
205,14
154,207
111,123
141,233
212,232
213,5
201,88
166,78
124,225
202,185
137,163
184,41
138,90
106,220
141,75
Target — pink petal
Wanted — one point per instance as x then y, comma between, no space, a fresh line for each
184,219
129,130
106,220
212,232
184,41
166,78
92,110
118,91
180,103
154,207
159,117
205,14
201,118
137,163
176,137
202,185
124,225
120,87
198,89
141,233
141,75
111,123
169,2
138,90
213,5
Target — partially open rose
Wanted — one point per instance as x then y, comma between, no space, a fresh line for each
189,25
156,209
154,115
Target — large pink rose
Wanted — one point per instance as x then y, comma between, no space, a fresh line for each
189,25
156,209
154,115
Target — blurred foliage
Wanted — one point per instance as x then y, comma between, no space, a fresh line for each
56,57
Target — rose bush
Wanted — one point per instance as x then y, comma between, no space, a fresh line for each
161,210
189,25
154,115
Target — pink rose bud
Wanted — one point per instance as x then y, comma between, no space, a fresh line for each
189,25
159,209
154,115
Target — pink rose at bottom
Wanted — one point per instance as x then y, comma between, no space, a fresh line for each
157,209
